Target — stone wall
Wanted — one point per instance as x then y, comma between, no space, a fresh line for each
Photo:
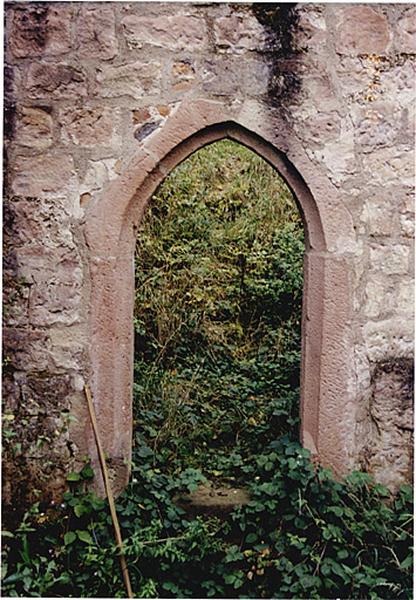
90,87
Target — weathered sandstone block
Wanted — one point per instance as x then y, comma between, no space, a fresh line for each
380,218
361,30
405,38
90,126
392,260
239,32
176,33
388,451
49,80
133,79
380,297
375,124
34,128
43,29
45,174
96,35
390,337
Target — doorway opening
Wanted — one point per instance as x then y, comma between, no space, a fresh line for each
217,319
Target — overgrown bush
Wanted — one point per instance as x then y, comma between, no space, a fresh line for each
217,320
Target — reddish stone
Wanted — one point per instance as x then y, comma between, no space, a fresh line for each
51,80
90,126
361,30
96,32
34,128
41,30
134,79
140,115
239,32
173,32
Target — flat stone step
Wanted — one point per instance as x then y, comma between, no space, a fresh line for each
213,501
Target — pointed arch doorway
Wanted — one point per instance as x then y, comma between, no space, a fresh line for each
326,409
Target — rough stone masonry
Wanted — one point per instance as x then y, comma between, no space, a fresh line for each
101,101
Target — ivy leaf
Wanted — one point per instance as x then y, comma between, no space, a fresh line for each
84,536
69,537
87,472
79,510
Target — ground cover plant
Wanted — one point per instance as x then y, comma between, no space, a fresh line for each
216,392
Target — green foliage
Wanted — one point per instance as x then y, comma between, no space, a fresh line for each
303,535
217,319
218,309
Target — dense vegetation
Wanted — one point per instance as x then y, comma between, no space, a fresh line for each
218,309
217,321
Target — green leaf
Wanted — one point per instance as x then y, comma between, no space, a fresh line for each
73,476
251,538
84,536
79,510
87,472
6,533
69,537
407,562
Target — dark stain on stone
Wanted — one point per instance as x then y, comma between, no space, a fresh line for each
32,25
145,130
395,374
9,116
280,22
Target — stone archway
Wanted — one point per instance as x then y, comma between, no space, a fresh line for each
327,405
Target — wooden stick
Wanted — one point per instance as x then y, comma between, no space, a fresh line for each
109,493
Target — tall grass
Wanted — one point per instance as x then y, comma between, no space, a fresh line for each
218,303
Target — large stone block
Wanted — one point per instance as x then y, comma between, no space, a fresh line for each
407,225
43,175
376,125
41,30
388,450
90,126
54,303
52,80
405,39
34,128
133,79
96,35
337,156
361,30
392,259
237,33
380,297
179,32
406,298
221,76
379,217
56,280
390,166
387,338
